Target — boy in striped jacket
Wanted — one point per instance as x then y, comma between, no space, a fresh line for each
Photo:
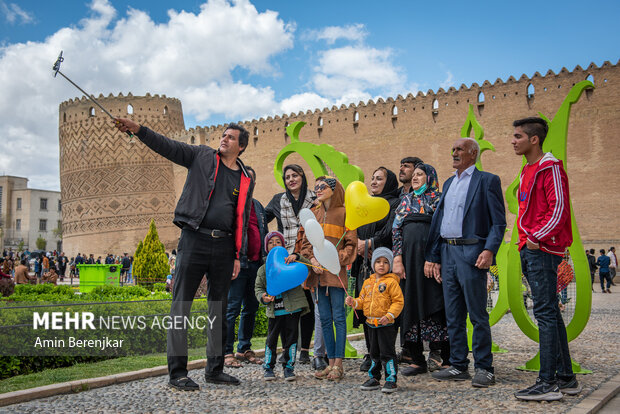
544,225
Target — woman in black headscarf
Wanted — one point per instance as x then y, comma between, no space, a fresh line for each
423,317
285,208
383,184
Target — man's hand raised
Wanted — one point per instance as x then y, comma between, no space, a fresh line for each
124,125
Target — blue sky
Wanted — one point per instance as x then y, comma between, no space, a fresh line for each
244,59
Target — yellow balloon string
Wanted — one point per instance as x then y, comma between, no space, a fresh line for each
308,264
337,277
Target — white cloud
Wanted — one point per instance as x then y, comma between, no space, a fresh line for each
449,81
190,56
13,13
346,70
199,58
355,32
304,101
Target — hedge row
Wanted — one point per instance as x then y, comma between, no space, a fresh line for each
18,336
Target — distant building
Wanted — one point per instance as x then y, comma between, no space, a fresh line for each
27,214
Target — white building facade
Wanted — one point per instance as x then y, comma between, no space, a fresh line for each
28,214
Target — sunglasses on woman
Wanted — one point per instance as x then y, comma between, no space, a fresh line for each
320,187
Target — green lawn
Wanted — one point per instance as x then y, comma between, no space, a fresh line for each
104,368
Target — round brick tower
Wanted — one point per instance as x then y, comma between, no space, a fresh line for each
112,186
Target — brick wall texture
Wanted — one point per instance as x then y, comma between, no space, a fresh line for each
372,134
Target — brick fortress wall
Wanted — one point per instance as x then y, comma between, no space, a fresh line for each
111,188
381,133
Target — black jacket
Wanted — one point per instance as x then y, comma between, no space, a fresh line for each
202,163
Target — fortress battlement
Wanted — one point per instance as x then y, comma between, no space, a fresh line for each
112,185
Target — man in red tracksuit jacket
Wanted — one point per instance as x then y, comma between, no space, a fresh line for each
544,225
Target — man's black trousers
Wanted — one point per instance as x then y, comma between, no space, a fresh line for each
199,254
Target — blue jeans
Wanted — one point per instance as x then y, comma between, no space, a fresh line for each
465,291
540,269
604,276
242,293
331,310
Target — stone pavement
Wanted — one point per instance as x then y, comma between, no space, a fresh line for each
595,349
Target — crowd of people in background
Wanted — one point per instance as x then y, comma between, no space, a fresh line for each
606,264
26,267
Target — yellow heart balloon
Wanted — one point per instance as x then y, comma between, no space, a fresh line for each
362,208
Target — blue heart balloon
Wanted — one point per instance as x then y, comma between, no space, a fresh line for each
281,276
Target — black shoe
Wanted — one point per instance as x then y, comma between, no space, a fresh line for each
571,387
289,374
541,391
389,387
304,357
269,375
221,378
183,384
483,378
410,371
451,374
366,363
371,384
318,364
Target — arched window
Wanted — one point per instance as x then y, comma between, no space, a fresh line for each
130,109
91,111
435,104
320,122
530,91
481,97
255,130
64,117
590,78
356,116
165,110
395,110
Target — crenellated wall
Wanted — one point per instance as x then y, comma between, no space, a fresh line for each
381,133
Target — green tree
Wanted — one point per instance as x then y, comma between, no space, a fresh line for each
41,243
150,261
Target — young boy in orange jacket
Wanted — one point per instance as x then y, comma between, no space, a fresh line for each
382,301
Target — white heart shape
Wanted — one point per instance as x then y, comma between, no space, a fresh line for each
305,214
314,234
328,257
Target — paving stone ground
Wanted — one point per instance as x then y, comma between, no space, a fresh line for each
594,349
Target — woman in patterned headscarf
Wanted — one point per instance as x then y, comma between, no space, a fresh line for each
423,317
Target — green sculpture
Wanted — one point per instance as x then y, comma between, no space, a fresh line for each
555,143
317,156
501,306
472,123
